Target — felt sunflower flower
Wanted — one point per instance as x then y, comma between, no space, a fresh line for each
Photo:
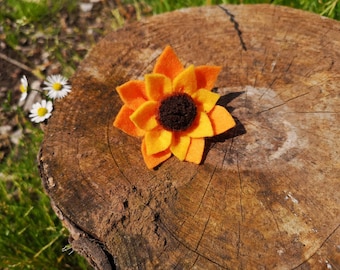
57,86
23,87
173,109
41,111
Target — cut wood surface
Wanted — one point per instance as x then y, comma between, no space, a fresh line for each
267,194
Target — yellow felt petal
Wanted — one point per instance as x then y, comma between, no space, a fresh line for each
132,93
157,140
206,76
124,123
152,161
157,86
185,82
201,127
145,116
179,146
221,119
195,151
168,63
206,99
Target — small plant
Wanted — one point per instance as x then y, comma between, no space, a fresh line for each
31,236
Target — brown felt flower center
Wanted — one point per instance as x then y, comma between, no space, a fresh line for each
177,112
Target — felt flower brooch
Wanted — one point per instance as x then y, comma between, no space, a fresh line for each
173,109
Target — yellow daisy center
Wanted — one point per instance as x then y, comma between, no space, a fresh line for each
177,112
57,86
23,89
42,111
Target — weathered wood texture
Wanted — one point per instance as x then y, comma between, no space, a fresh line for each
267,194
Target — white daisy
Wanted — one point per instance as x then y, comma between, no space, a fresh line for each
41,111
23,87
57,86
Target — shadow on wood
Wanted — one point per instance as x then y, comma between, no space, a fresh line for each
266,197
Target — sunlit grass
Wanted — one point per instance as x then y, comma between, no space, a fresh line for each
31,236
329,8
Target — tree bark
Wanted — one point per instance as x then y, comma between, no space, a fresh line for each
266,195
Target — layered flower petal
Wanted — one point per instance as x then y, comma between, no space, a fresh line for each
221,119
152,161
157,140
206,76
168,64
185,82
145,116
132,93
157,86
124,123
195,151
201,127
179,146
174,109
206,99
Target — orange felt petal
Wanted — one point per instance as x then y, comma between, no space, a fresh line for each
185,82
195,151
132,93
201,127
179,146
157,86
206,76
221,119
152,161
206,99
168,63
157,140
145,116
124,123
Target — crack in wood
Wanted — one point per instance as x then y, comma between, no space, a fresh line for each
241,187
204,229
322,244
189,248
236,26
206,190
283,103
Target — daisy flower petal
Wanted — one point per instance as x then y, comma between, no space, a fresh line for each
41,111
23,88
57,86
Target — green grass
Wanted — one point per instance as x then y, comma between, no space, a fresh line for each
36,23
31,236
329,8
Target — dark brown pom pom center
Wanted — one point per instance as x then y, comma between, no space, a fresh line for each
177,112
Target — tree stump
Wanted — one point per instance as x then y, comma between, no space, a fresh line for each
266,195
